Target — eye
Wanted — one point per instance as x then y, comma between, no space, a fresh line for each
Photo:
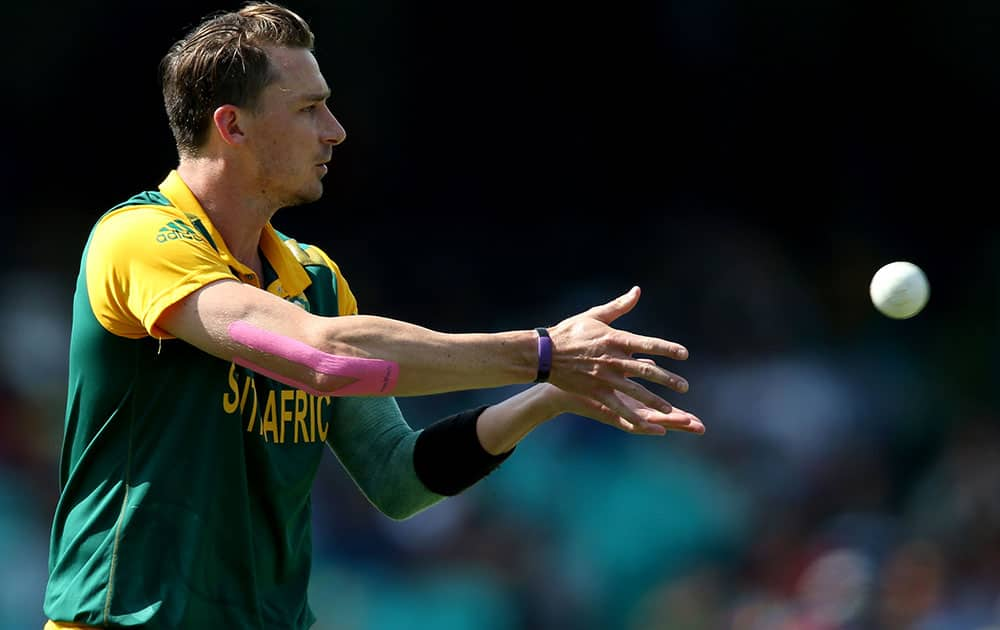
309,108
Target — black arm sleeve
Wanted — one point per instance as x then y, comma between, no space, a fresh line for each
448,457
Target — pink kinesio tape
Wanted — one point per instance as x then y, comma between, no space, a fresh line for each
374,376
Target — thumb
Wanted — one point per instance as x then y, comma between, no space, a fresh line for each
617,307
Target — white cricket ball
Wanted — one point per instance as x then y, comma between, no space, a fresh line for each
899,290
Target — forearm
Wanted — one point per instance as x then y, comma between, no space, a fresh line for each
402,471
375,445
320,354
429,361
503,425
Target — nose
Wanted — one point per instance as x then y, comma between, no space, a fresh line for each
333,132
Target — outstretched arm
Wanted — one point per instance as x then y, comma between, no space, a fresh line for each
402,471
590,357
503,425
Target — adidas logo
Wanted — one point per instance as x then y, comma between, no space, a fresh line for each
177,230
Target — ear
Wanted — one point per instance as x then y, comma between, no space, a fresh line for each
227,124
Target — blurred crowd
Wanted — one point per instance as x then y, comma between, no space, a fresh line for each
849,478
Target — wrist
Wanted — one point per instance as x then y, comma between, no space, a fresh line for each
550,402
544,349
501,426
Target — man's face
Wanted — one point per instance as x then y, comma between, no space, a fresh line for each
292,132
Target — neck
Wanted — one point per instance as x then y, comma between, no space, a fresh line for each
236,214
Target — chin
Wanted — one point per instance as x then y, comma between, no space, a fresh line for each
316,194
307,196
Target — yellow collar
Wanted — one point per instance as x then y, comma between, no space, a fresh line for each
293,278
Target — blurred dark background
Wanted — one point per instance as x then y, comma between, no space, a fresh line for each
748,164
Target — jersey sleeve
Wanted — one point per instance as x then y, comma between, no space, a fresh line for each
139,262
375,444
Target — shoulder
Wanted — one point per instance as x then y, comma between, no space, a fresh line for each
307,254
148,212
148,198
316,261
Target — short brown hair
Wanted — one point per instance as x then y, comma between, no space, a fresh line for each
222,61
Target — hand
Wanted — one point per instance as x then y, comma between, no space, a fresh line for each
650,421
594,360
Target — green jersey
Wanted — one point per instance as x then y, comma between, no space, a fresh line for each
186,479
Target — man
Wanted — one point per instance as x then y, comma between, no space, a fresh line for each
213,360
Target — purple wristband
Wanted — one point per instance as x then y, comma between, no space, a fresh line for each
544,355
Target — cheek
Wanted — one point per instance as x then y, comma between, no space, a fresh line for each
275,155
286,146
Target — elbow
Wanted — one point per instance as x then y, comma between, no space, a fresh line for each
401,513
401,509
355,376
324,384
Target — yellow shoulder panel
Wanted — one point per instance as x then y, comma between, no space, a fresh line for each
347,304
141,260
308,256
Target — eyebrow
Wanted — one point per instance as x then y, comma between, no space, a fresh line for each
317,96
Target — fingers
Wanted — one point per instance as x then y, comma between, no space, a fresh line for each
641,428
617,307
592,359
631,422
646,397
648,370
641,420
676,420
640,344
628,409
615,375
653,422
